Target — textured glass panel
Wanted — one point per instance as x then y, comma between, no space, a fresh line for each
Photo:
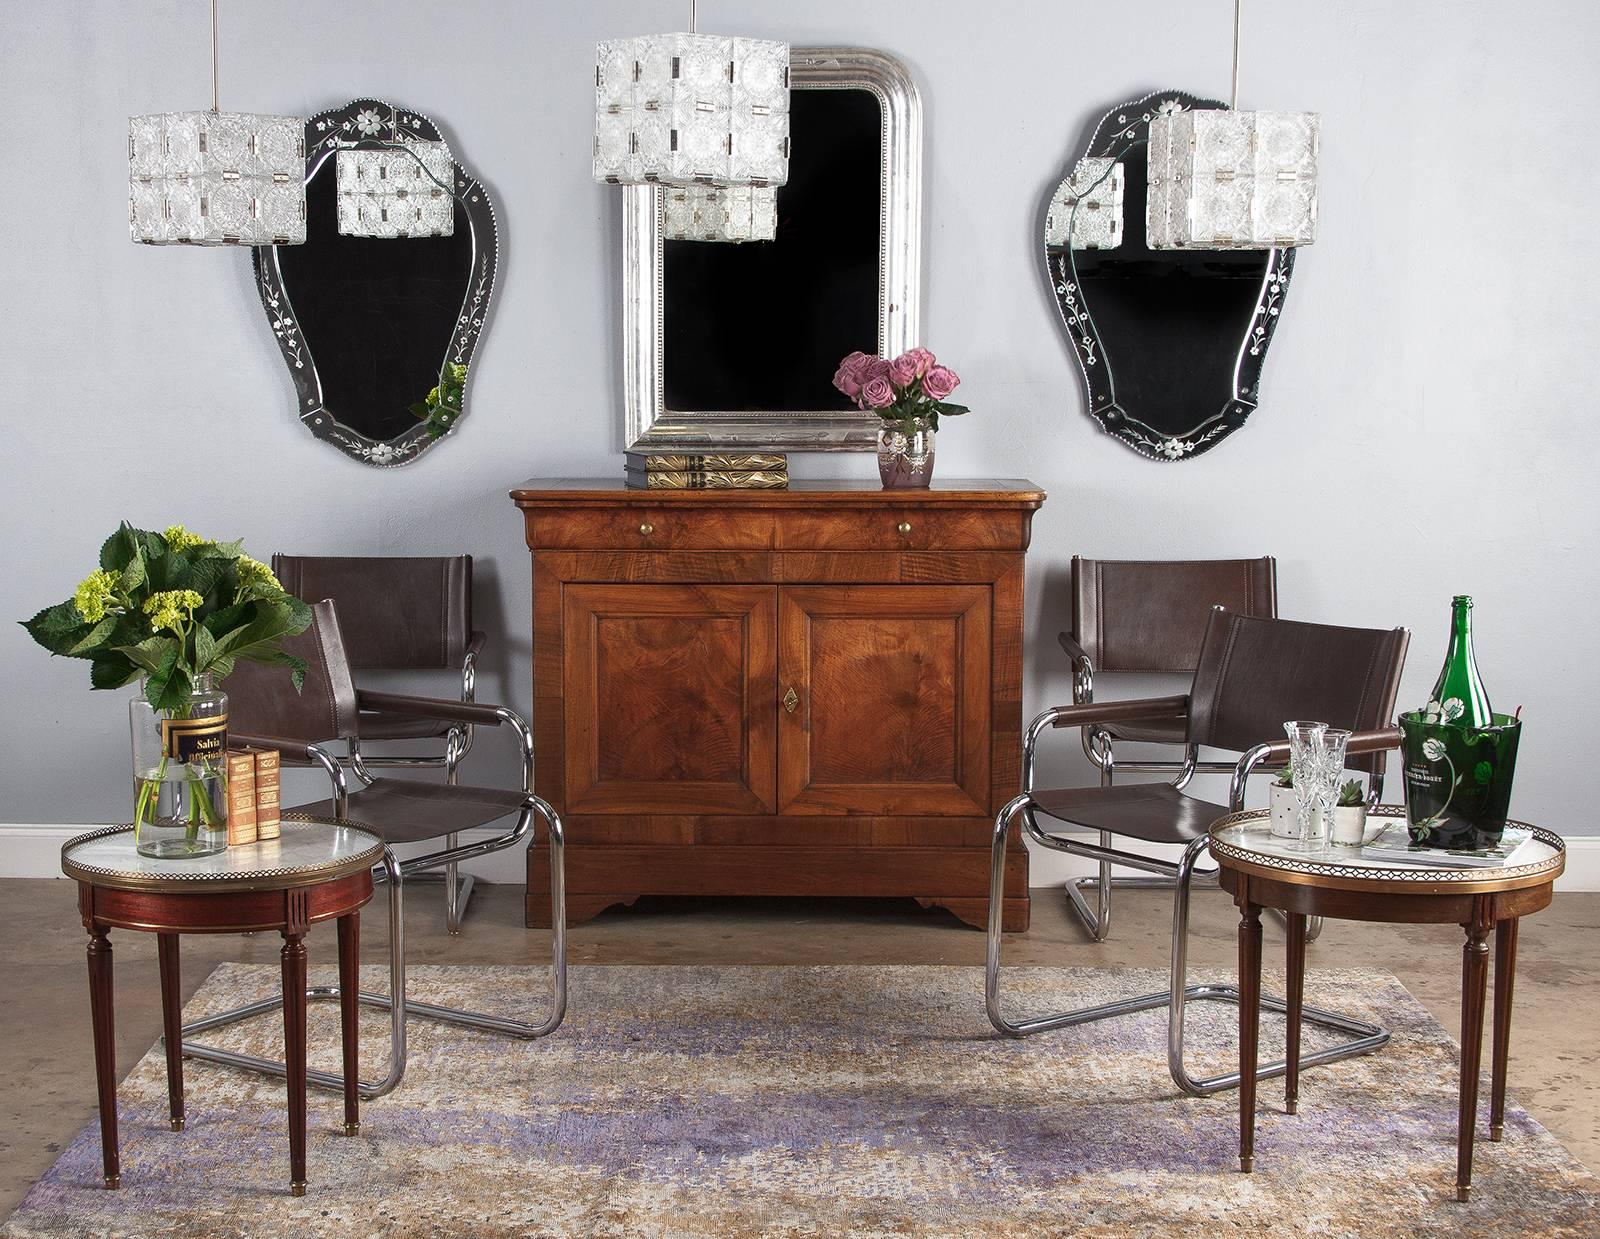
1223,180
403,192
216,178
707,213
684,109
1095,187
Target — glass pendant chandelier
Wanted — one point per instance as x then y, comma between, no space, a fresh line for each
1086,209
692,109
733,215
1226,179
216,178
395,188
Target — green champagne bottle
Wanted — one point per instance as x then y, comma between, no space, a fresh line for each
1458,679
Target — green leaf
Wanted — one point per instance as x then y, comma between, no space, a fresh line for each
221,667
205,648
226,550
56,628
224,619
299,614
207,573
111,670
417,409
952,410
133,575
147,654
92,640
119,548
156,686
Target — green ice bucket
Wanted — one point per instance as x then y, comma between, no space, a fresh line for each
1458,780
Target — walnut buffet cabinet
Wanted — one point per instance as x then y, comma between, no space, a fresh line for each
815,691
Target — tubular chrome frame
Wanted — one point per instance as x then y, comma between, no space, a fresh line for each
394,872
1363,1037
457,744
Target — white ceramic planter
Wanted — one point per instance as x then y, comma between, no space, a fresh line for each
1349,825
1286,813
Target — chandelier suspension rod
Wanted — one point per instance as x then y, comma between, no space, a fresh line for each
694,16
1239,18
214,96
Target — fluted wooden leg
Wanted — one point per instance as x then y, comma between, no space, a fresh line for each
1474,985
1505,979
1295,998
1249,1023
294,1054
350,1017
172,1024
105,1051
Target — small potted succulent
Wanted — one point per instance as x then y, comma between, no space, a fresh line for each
1350,815
1285,812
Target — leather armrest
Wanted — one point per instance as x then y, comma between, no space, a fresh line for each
1144,709
1276,752
429,707
290,752
475,643
1074,651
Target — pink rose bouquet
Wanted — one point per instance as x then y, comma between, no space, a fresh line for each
912,385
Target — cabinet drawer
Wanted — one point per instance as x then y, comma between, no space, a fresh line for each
650,529
903,529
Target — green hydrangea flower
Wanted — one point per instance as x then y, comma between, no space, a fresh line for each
171,608
93,593
180,539
256,578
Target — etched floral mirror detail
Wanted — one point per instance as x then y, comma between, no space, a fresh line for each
379,332
1170,343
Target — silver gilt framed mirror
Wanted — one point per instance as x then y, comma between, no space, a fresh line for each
734,346
378,329
1170,342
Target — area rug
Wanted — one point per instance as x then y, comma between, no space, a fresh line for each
838,1101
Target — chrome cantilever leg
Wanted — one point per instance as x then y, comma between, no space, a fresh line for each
1363,1037
457,889
394,873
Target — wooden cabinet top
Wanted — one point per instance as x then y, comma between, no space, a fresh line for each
810,493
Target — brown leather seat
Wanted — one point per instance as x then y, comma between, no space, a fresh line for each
1153,812
406,810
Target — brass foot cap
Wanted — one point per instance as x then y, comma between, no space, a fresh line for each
1495,1133
1463,1194
352,1129
297,1189
113,1182
1291,1107
176,1124
1246,1165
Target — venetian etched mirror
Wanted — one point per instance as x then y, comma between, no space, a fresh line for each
1170,342
735,346
378,331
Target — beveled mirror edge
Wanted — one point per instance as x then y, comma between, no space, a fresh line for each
647,423
321,129
1086,346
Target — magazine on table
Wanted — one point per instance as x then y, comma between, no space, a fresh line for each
1395,844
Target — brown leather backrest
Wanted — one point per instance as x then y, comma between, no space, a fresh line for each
1150,615
396,611
262,700
1256,674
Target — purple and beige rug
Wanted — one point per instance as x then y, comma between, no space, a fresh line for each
841,1101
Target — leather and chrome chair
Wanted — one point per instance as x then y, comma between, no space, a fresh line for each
266,711
403,613
1146,616
1252,674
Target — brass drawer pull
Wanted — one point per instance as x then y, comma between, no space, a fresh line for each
904,526
791,699
647,529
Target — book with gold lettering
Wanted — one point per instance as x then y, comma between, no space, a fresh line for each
705,462
267,795
241,797
709,479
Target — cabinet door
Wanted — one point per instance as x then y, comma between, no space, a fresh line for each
668,698
890,699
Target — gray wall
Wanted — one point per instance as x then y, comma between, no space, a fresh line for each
1425,427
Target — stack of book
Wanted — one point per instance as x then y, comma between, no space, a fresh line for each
708,471
253,785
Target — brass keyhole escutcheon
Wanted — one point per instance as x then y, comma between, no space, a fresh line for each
647,529
904,526
791,699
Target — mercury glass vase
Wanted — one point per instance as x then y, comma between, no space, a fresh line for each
179,774
905,454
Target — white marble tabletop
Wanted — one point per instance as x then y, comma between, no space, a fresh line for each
306,853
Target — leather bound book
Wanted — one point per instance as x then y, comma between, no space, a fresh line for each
267,793
709,479
241,797
705,462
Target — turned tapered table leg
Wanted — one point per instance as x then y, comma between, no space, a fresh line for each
350,1017
172,1024
1295,997
1505,979
294,1054
1474,985
105,1051
1249,1024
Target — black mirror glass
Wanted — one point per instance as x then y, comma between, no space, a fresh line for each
378,332
1170,342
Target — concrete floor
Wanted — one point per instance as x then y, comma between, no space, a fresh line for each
46,1056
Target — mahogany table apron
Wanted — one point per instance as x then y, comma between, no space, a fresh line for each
315,872
1325,884
812,691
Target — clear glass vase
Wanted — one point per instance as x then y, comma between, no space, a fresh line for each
180,762
905,460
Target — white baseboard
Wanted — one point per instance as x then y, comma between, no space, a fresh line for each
35,852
